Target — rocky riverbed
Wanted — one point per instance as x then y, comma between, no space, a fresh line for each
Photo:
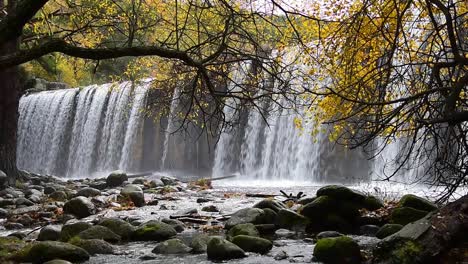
163,220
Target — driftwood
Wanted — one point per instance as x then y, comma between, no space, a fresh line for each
193,220
291,197
260,195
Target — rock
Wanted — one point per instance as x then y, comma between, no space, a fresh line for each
406,215
269,216
135,193
80,207
413,201
270,203
284,233
169,180
49,232
266,229
6,202
337,250
210,208
23,201
387,230
291,220
305,201
88,192
19,235
219,249
49,189
116,178
368,230
328,234
59,196
253,244
119,227
339,192
73,229
246,215
9,246
242,229
203,200
372,203
199,243
3,213
153,231
58,261
30,192
153,202
140,181
99,232
156,183
50,250
25,220
188,211
281,255
179,226
100,185
35,199
3,179
171,246
93,246
10,226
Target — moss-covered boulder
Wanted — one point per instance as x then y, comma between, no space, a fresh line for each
171,246
416,202
246,215
406,215
122,228
291,220
387,230
100,232
199,244
153,231
73,229
269,217
340,192
253,244
80,207
372,203
9,246
93,246
49,232
337,250
116,178
271,204
50,250
398,251
179,226
243,229
219,249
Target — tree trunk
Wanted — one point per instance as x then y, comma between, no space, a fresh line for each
10,90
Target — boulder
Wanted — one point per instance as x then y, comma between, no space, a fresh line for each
219,249
99,232
210,208
253,244
199,243
266,229
80,207
49,232
246,215
153,231
328,234
171,246
73,229
372,203
50,250
243,229
59,196
291,220
119,227
169,180
406,215
88,192
135,194
179,226
340,192
270,203
9,246
387,230
336,250
284,233
116,178
93,246
416,202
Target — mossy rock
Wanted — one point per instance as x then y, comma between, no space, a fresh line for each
340,192
219,249
71,230
199,244
171,246
9,246
50,250
372,203
291,220
321,205
387,230
337,250
253,244
416,202
100,232
153,231
246,215
398,251
269,217
328,222
119,226
93,246
406,215
243,229
271,204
